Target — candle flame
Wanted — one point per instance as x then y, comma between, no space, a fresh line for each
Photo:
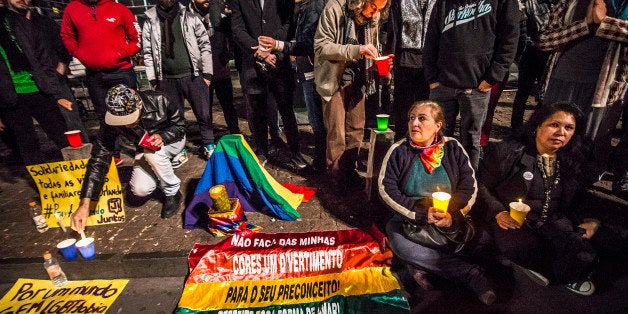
519,200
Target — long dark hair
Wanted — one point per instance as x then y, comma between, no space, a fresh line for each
572,155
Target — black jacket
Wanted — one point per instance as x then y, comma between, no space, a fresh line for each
42,63
159,116
248,22
307,14
481,45
501,180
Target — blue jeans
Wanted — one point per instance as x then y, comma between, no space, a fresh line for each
472,104
314,105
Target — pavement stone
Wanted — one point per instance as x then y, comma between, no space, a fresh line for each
146,246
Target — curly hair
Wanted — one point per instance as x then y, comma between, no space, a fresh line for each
355,8
574,153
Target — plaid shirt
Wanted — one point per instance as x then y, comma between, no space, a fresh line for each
560,30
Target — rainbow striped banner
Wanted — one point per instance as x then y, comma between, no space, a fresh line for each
320,272
235,165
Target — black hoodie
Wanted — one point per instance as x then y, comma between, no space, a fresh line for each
469,41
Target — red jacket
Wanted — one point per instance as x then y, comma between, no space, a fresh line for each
102,36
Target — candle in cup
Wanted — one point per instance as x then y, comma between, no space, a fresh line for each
441,200
519,211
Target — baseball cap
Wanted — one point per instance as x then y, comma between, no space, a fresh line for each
122,105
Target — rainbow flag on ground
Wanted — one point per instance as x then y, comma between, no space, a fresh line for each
234,165
318,272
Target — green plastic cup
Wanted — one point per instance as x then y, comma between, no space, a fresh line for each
382,122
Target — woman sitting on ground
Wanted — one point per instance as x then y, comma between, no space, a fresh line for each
418,165
543,170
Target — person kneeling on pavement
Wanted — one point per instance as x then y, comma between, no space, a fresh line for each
133,114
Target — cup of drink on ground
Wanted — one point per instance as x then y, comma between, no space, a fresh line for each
441,200
86,247
519,211
74,138
68,249
382,122
383,65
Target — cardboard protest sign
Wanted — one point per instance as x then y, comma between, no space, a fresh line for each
41,296
60,184
320,272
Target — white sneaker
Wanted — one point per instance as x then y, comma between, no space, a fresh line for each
534,276
581,287
181,158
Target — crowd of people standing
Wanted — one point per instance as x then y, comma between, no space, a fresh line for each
450,58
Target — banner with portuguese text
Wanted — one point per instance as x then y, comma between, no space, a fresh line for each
318,272
59,185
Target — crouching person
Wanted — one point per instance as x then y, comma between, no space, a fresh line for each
134,114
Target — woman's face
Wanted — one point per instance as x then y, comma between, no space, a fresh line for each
555,132
422,126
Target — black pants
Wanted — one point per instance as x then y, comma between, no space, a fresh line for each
259,115
98,83
224,92
531,69
410,87
194,89
555,250
19,119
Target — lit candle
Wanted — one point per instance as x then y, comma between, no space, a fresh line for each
441,200
519,211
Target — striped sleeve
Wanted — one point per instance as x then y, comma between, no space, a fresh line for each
613,29
555,34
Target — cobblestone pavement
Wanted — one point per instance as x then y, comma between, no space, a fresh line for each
147,246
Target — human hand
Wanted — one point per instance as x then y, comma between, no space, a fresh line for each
207,82
78,219
369,51
484,86
506,222
267,42
156,140
438,218
271,59
434,85
596,12
61,68
65,103
260,52
386,79
590,227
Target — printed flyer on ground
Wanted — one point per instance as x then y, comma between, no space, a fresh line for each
319,272
59,185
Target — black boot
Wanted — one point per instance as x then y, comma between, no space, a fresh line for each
171,205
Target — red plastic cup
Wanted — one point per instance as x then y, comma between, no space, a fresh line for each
383,65
145,143
74,138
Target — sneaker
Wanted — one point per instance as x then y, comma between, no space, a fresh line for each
208,150
581,287
297,161
262,159
489,297
118,160
171,205
534,276
180,159
421,279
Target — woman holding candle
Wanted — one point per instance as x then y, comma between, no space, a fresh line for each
422,163
543,169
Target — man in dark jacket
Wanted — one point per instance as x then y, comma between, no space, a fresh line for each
160,125
469,47
251,19
60,58
216,17
29,87
307,13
